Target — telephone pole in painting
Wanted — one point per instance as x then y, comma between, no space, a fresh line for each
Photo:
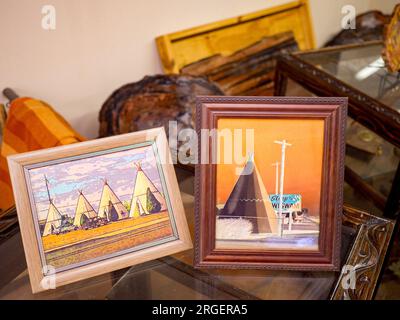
47,188
284,144
276,165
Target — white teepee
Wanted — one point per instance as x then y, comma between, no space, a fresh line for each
142,188
53,220
84,211
111,206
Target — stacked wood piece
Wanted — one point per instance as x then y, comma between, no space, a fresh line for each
153,102
249,71
8,223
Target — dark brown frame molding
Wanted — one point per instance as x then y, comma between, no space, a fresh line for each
333,111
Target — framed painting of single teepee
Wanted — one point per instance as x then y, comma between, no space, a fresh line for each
269,182
97,206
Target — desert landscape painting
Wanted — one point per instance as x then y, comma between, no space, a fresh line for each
271,201
98,206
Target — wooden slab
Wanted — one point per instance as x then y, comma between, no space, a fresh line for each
249,71
230,35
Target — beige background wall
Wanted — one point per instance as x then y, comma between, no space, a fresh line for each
99,45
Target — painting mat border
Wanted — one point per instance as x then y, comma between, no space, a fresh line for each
241,241
93,155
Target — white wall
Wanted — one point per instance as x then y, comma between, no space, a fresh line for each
99,45
385,6
327,15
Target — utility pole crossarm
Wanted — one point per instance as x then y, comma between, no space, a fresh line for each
283,143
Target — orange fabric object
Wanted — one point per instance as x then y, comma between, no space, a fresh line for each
31,125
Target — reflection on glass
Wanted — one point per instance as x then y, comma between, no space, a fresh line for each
374,159
363,69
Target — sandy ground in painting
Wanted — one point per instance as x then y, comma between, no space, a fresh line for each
237,234
82,245
271,244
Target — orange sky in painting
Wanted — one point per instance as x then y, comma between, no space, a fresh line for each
303,165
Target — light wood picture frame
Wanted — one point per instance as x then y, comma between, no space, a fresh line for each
241,221
74,221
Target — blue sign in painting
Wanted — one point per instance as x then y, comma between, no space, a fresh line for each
290,202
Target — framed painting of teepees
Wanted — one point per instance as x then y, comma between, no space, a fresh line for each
97,206
269,182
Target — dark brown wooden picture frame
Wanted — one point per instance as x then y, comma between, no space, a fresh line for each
333,112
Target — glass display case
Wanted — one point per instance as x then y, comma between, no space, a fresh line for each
174,277
373,132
